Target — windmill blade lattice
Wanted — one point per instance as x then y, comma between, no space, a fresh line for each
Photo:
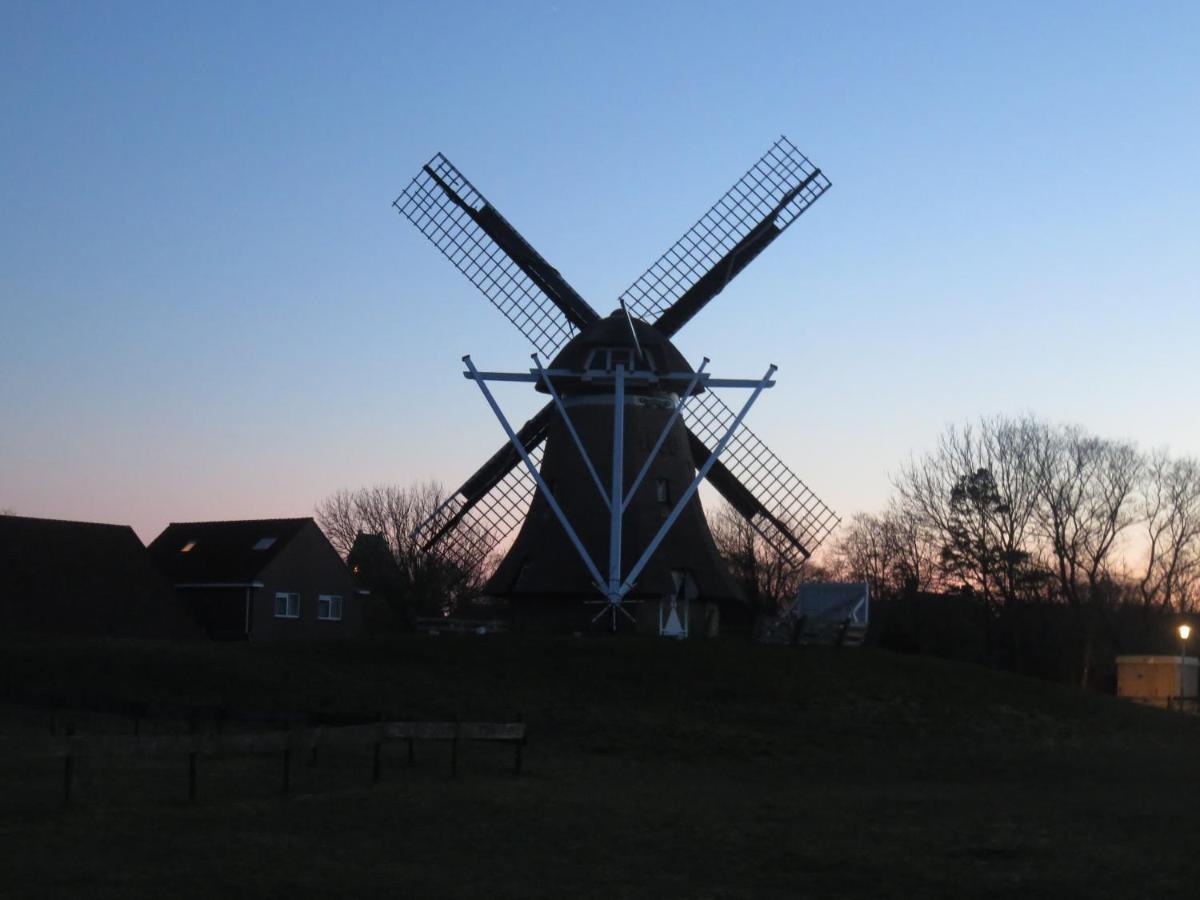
785,511
463,531
457,219
766,200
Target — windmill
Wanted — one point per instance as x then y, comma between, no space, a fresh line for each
599,366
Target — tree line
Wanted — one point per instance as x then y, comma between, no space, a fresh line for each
1016,514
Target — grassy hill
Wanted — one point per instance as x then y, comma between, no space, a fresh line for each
703,769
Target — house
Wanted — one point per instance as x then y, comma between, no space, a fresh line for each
261,579
822,612
59,577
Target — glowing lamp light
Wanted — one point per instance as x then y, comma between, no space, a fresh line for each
1185,632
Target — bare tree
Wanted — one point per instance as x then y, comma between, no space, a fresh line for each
1169,497
424,580
1086,486
1086,490
975,496
768,577
889,551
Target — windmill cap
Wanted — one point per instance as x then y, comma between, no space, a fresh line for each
592,348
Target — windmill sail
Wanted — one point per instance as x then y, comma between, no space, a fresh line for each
469,527
758,484
460,222
491,503
757,209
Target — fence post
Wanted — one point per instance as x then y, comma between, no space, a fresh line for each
287,768
68,767
519,744
192,776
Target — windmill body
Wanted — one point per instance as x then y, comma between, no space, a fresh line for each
563,459
542,577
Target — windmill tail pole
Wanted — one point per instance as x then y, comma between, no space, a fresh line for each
762,384
475,375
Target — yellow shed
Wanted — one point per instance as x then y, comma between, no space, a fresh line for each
1155,680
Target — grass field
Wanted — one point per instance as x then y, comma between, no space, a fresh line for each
702,769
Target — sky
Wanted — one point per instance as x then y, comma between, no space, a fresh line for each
210,310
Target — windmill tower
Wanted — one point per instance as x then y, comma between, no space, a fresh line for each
625,407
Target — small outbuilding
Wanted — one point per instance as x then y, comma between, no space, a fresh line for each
261,579
61,577
1159,680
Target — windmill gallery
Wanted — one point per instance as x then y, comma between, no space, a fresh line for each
602,481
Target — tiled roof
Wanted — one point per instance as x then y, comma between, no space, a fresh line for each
222,552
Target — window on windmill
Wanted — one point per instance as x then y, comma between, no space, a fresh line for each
187,548
662,490
264,543
620,357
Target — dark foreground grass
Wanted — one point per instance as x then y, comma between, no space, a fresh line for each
713,769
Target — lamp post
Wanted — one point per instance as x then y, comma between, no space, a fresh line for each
1185,632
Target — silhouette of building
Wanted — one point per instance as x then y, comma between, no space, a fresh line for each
262,579
59,577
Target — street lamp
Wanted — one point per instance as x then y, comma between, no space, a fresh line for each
1185,632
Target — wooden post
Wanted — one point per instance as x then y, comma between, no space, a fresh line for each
192,777
520,742
68,768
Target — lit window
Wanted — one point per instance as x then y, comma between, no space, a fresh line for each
663,490
287,606
187,548
329,607
355,569
264,543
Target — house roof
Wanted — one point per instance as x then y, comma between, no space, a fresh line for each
833,600
222,552
83,577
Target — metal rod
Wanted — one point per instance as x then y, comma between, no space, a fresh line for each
562,411
651,377
616,507
663,436
537,476
763,383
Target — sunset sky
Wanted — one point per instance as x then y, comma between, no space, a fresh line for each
209,309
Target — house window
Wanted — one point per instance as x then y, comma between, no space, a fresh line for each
287,606
663,490
329,607
187,548
264,543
